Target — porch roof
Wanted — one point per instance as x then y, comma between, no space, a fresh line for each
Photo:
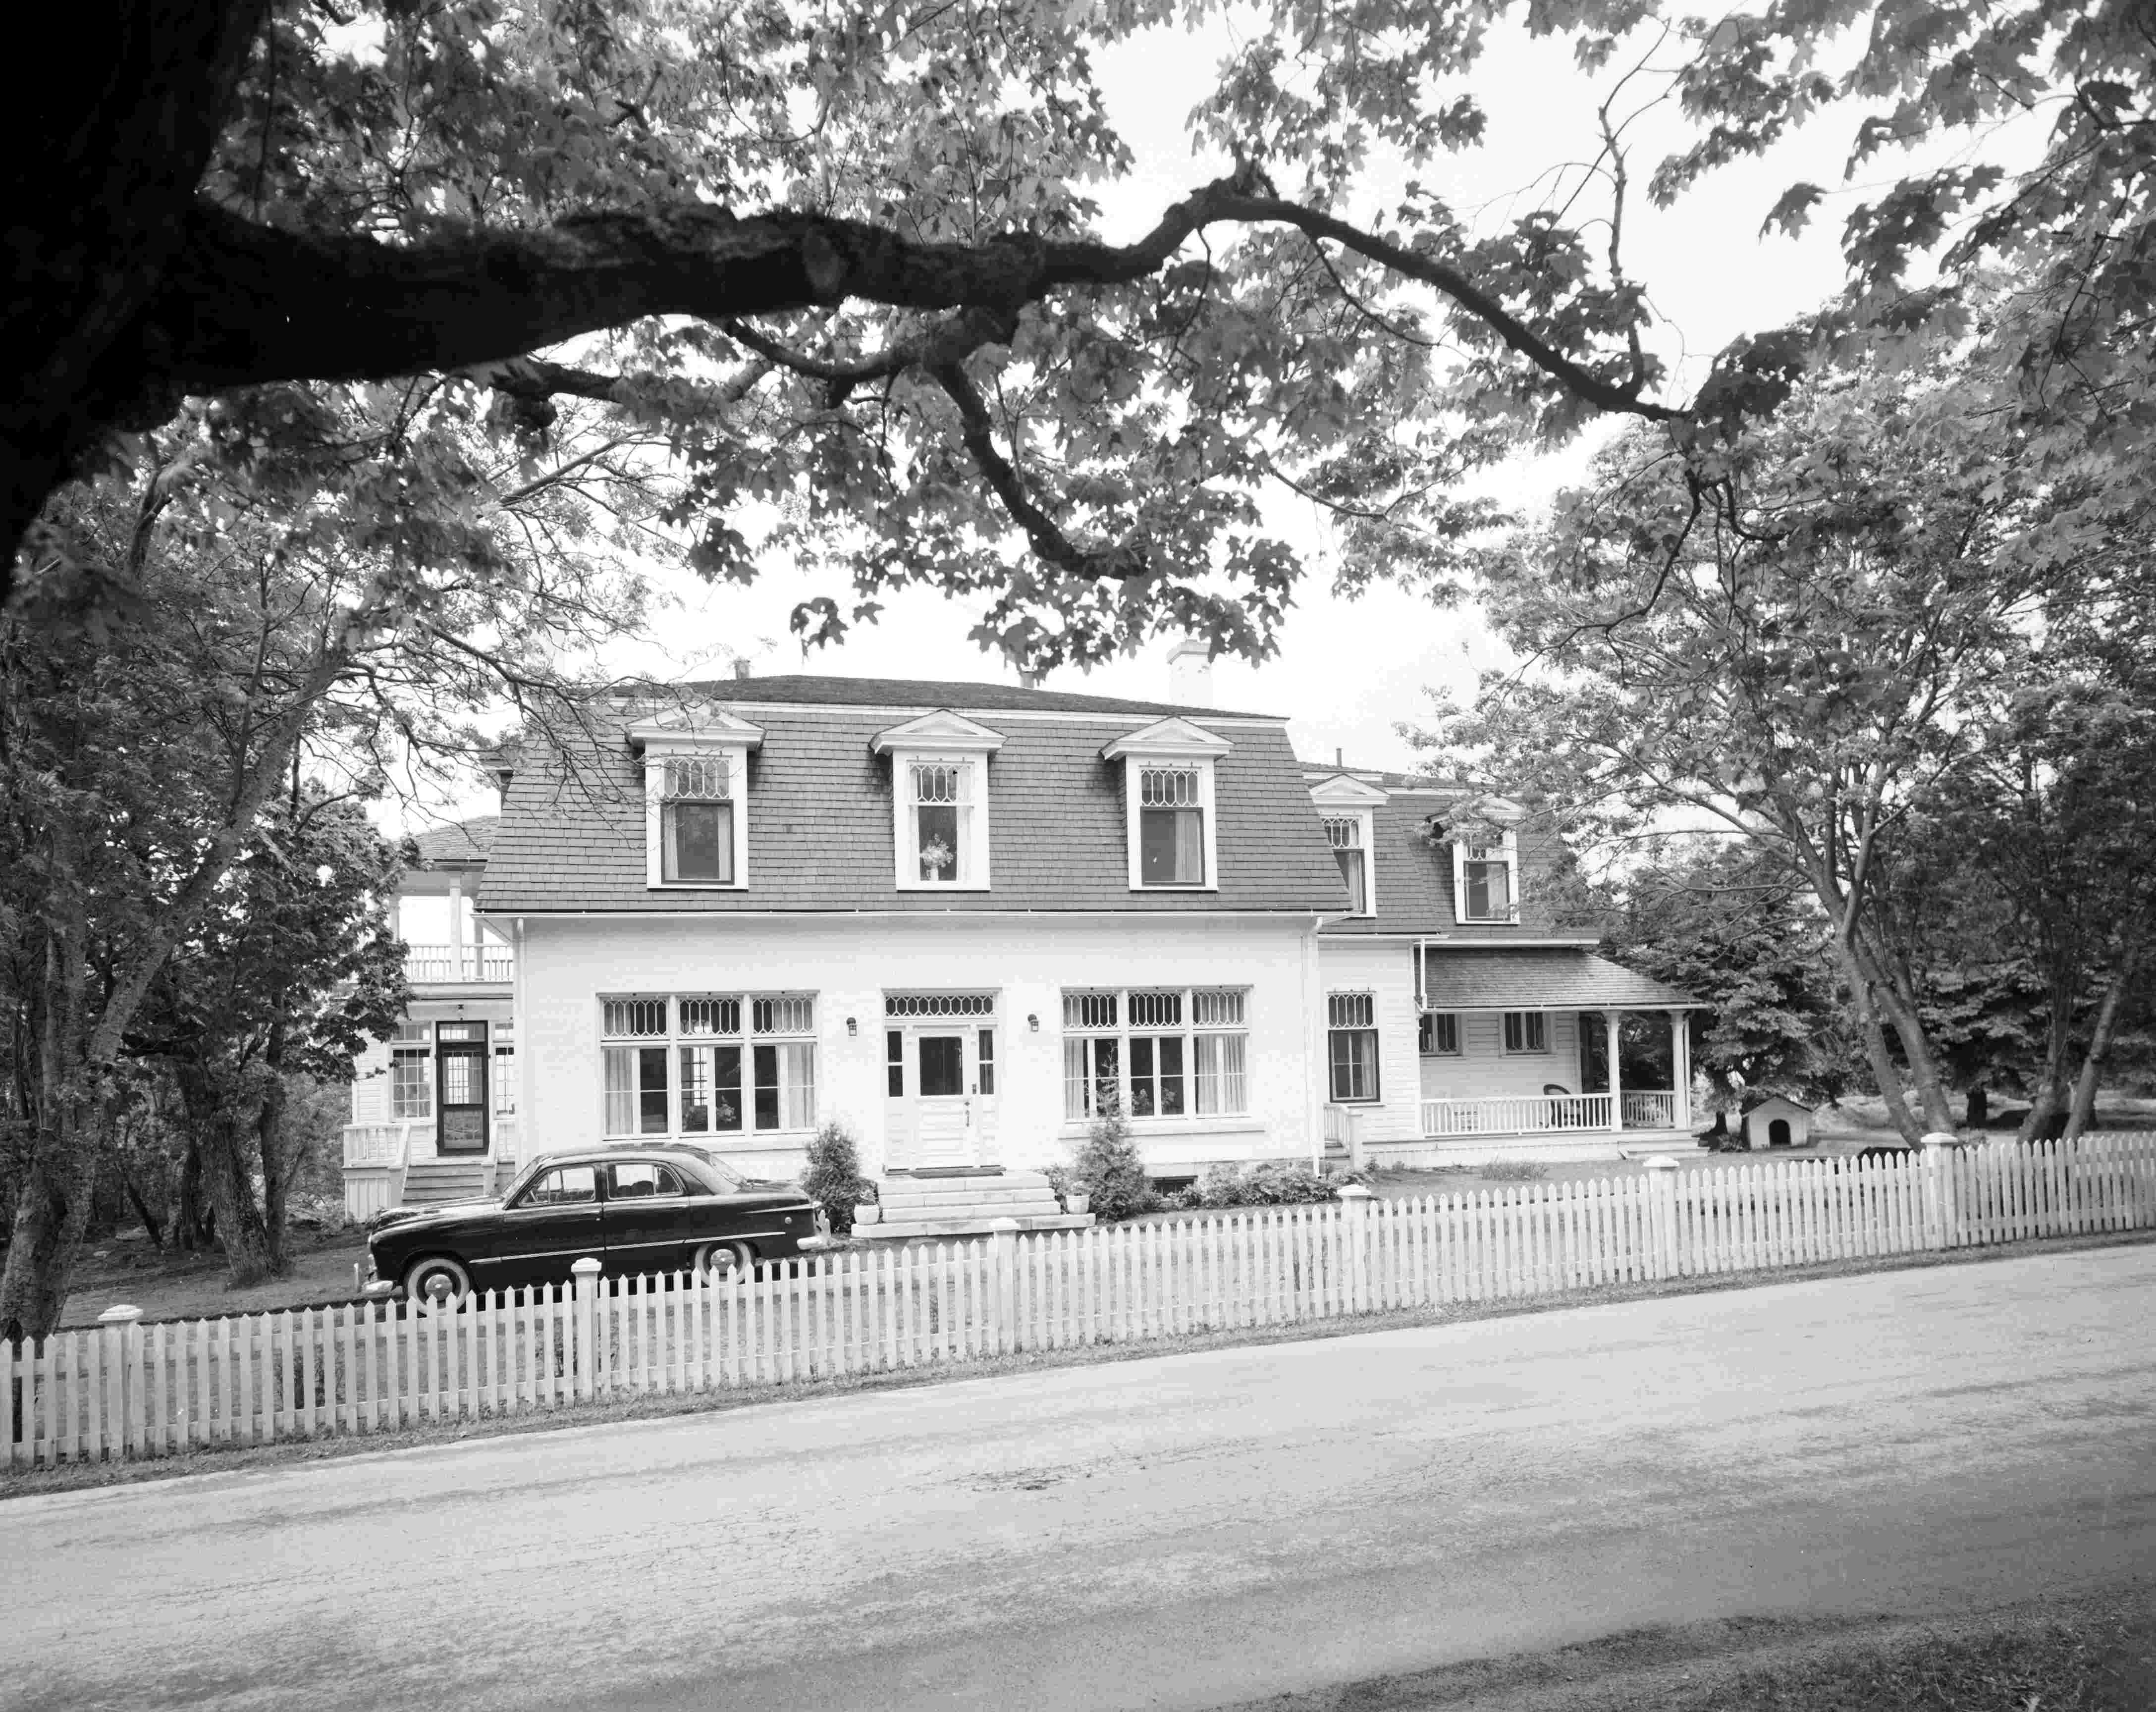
1552,979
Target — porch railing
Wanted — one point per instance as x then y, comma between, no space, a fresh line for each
1344,1130
1512,1114
460,962
1650,1109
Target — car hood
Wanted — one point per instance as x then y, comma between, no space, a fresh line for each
407,1217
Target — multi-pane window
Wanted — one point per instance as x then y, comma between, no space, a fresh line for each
1351,1038
1486,878
687,1066
1171,826
1155,1052
1526,1031
1437,1034
505,1070
1345,835
696,822
939,829
412,1073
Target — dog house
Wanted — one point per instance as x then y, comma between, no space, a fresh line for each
1776,1122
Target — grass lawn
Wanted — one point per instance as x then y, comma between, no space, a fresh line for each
192,1286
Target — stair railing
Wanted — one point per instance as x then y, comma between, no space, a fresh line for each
400,1162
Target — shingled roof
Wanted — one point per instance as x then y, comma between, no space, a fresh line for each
1556,978
820,813
459,841
1413,881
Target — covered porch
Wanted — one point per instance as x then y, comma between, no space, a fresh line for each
1552,1046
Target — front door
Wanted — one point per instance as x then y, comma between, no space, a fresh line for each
943,1096
460,1087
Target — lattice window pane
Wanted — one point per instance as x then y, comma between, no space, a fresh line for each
1217,1008
1350,1010
939,1004
940,780
635,1019
1345,834
710,1016
1090,1010
708,780
1156,1010
792,1014
1167,787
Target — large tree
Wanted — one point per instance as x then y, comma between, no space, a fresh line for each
850,260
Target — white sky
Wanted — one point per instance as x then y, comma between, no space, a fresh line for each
1349,672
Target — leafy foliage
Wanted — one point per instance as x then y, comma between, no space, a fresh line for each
1110,1170
1270,1183
831,1176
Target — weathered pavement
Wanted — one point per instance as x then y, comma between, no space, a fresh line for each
1177,1532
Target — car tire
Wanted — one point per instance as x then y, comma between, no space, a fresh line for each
436,1284
722,1263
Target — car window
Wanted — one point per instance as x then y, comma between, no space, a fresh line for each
724,1176
564,1187
634,1180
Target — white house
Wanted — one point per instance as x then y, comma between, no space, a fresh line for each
965,919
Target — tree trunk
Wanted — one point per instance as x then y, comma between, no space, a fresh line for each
218,1127
1884,1072
1980,1106
191,1228
2099,1048
2044,1102
269,1143
142,1209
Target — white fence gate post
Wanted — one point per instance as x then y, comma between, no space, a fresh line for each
120,1401
1942,1215
1003,1256
586,1275
1355,1214
1661,1179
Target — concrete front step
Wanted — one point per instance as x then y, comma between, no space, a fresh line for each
968,1206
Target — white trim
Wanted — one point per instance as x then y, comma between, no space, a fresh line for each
1365,822
1344,790
1135,764
733,751
1511,858
1264,722
943,730
1167,739
973,860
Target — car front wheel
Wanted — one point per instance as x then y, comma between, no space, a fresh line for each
724,1263
436,1284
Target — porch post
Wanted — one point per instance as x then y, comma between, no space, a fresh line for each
1680,1067
456,931
1609,1019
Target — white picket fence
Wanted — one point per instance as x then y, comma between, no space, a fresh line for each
129,1389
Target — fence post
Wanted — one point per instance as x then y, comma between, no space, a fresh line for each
586,1272
120,1337
1003,1259
1661,1172
1942,1213
1355,1214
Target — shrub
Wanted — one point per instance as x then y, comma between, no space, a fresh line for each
1273,1184
1514,1171
832,1177
1109,1171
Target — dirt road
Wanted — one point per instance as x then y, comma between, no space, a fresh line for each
1179,1532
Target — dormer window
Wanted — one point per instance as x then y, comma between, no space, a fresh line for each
697,824
1171,826
940,798
1347,811
1168,805
1345,835
695,799
1486,878
939,779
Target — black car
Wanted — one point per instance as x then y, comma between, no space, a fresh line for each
636,1210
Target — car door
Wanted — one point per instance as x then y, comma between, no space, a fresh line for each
646,1219
554,1221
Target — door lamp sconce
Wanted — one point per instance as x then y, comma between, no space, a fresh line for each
1033,1022
852,1026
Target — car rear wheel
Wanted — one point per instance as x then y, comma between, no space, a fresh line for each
436,1284
723,1262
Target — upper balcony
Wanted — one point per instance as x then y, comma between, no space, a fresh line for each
465,964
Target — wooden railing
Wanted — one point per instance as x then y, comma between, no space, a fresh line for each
126,1389
1650,1109
486,961
1521,1113
1343,1132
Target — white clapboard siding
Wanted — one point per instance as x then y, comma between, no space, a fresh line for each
138,1390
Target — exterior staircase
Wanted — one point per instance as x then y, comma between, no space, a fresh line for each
968,1204
431,1182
